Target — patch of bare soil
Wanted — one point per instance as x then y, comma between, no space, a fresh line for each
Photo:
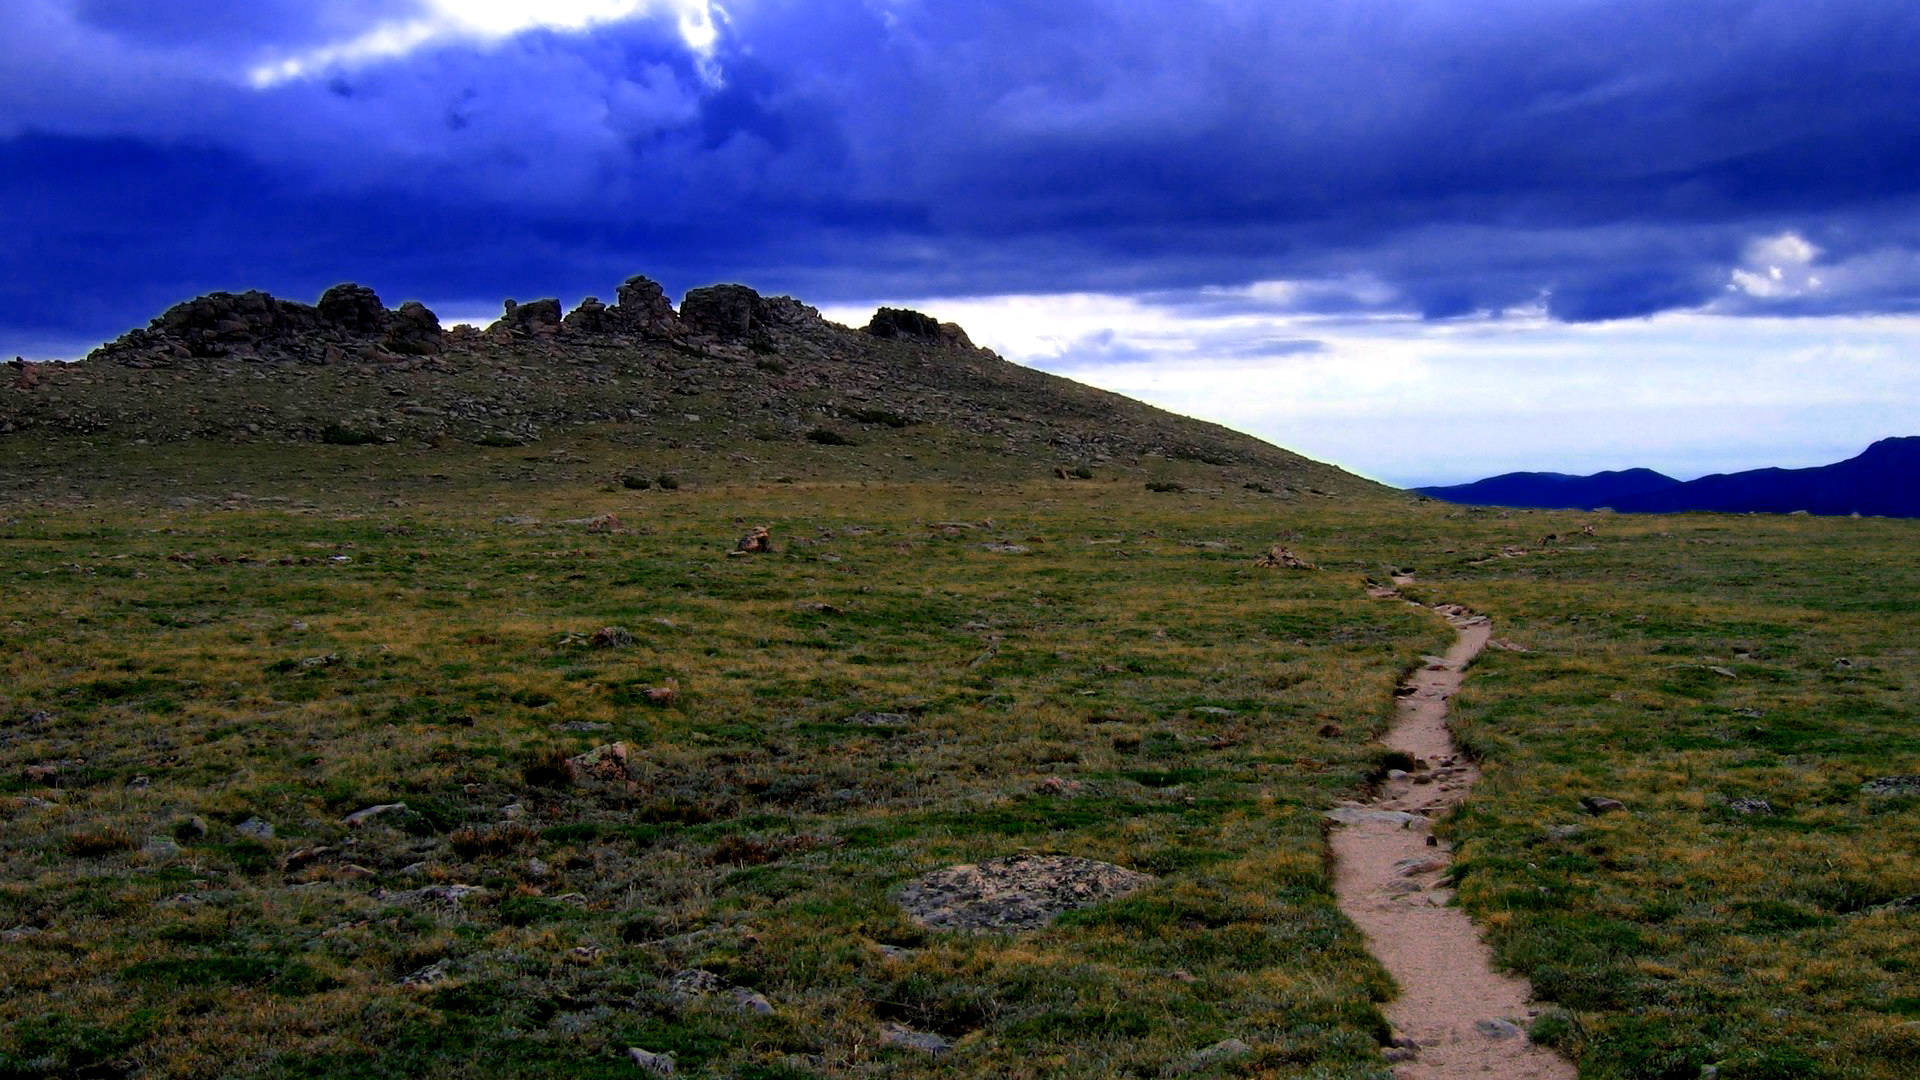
1014,893
1456,1017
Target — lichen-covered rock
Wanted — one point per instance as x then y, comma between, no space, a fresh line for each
1016,892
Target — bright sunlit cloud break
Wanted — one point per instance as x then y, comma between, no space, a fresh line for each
486,20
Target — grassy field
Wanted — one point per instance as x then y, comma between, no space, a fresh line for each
202,639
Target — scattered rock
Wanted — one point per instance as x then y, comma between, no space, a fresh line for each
757,541
1600,804
160,848
879,719
658,1064
1006,549
1015,892
1750,807
1278,557
1897,786
906,1038
256,829
373,813
607,764
661,695
1415,865
190,828
1056,785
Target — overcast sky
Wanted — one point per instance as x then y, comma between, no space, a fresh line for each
1425,239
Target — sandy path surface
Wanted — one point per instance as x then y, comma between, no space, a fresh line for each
1455,1017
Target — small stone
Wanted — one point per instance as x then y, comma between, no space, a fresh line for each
1600,804
139,783
537,868
1750,807
907,1039
1723,671
160,848
751,1002
1499,1029
1398,774
661,695
1416,865
658,1064
1400,1054
1220,1051
879,719
757,541
611,637
1359,815
254,828
373,813
431,975
190,828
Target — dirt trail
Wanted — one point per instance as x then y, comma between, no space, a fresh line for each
1455,1017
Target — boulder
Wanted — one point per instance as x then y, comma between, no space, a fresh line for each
724,311
356,310
413,330
537,318
603,763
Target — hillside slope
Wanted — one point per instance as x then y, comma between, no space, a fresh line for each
729,373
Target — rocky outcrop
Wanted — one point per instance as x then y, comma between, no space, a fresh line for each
589,318
641,307
535,319
903,323
736,312
253,326
728,312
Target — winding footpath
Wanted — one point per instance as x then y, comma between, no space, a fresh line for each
1456,1017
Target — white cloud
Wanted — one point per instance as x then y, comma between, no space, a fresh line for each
485,20
1778,267
1412,402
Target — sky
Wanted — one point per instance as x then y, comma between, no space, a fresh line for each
1429,240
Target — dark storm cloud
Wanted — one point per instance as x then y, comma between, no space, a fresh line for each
1605,160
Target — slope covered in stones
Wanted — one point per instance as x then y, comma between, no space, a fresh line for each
728,372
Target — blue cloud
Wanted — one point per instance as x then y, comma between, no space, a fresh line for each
1610,159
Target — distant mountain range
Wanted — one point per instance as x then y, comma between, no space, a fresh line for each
1884,481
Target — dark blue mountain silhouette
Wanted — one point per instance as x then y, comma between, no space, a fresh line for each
1884,481
1553,490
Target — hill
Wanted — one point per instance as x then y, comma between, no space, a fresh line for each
1550,490
742,382
1880,481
